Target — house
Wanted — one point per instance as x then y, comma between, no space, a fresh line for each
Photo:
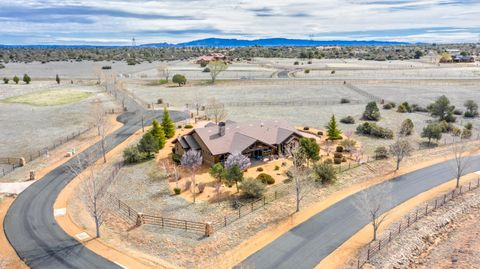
257,140
463,59
211,57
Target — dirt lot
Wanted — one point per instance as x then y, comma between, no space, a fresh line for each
32,126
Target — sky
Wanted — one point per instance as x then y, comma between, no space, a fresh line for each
115,22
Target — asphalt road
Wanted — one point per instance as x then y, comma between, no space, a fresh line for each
30,225
306,245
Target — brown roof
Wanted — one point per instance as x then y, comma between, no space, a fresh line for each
239,136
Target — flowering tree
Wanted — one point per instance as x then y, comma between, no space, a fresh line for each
192,160
235,165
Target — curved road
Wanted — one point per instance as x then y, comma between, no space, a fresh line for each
30,225
306,245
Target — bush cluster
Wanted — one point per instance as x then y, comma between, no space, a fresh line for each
372,129
348,120
252,188
266,178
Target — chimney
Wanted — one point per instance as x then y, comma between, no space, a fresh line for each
221,128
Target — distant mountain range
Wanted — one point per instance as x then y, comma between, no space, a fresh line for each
221,42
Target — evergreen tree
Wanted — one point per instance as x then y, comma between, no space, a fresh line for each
148,144
26,79
57,79
371,112
333,132
16,79
158,133
168,124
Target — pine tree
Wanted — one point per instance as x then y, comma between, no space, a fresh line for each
168,124
333,132
158,133
148,144
57,79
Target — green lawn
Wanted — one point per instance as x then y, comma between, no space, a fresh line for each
48,98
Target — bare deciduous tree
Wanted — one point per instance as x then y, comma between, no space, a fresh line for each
300,175
192,160
215,110
164,71
461,159
93,188
100,119
216,67
401,149
374,203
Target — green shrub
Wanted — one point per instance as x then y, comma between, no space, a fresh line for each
387,106
276,168
160,101
5,80
381,153
337,160
417,108
458,112
179,79
328,161
176,158
259,169
456,131
404,108
252,188
203,64
339,149
372,129
320,133
324,172
188,126
371,112
106,67
266,178
133,155
307,71
306,128
344,159
296,63
466,134
348,120
206,70
469,126
177,191
344,101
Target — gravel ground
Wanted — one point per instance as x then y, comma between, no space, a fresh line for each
448,238
27,129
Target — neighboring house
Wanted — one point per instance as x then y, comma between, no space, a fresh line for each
257,140
211,57
463,59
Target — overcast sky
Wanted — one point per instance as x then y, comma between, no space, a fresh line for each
115,22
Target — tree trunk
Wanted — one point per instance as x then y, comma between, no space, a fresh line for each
236,185
103,151
458,181
97,226
193,183
398,164
374,231
298,200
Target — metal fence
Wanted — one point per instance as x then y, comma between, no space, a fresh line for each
422,211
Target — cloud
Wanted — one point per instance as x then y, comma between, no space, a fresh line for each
27,21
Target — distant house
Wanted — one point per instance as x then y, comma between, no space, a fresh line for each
211,57
257,140
463,59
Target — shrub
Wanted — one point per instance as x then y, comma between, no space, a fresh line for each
467,133
133,155
381,153
306,128
309,62
179,79
188,126
266,178
2,66
371,112
387,106
16,79
324,172
333,132
203,64
27,79
259,169
206,70
106,67
5,80
337,160
373,129
339,149
160,101
337,155
320,133
252,188
176,158
201,187
276,168
417,108
328,161
348,144
344,101
348,120
333,72
456,131
432,131
296,63
407,127
344,159
404,108
467,114
469,126
458,112
177,191
307,71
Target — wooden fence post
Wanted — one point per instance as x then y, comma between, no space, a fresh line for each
416,215
225,220
469,185
399,227
379,244
426,209
208,229
408,221
390,236
460,189
368,254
